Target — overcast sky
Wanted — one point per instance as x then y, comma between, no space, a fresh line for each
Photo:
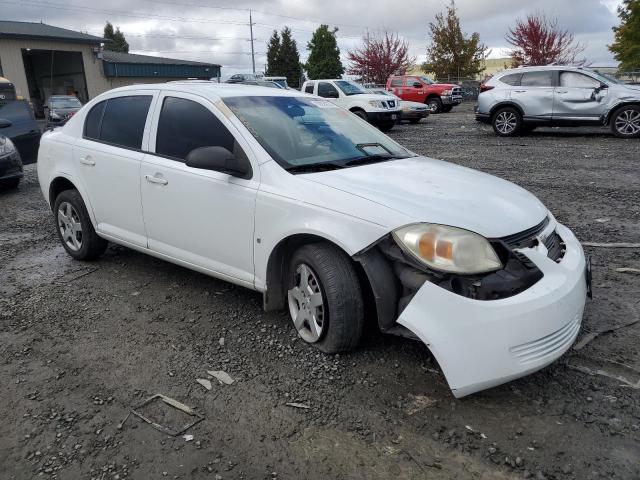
218,30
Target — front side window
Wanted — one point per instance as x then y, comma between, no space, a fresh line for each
327,90
305,133
123,121
577,80
185,125
309,88
409,82
537,79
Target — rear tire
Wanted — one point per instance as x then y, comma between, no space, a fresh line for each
625,122
435,105
321,272
507,122
74,227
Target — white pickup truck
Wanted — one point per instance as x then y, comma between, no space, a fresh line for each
383,112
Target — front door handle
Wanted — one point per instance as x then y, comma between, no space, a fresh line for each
519,91
562,91
156,179
87,160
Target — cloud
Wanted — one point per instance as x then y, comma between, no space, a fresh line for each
191,29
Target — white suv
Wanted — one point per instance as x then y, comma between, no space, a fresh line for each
376,109
296,198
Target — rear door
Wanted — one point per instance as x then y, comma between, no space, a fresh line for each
576,98
535,94
108,159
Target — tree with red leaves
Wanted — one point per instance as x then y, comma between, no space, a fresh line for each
538,40
380,57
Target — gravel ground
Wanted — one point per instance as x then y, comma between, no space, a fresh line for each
80,343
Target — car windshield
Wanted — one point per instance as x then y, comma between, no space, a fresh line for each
350,88
309,134
427,80
66,102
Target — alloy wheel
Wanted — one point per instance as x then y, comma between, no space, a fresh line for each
306,304
506,122
70,226
628,122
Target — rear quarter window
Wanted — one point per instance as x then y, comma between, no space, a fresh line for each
512,79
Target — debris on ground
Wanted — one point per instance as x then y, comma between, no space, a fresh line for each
174,432
204,382
628,270
611,245
625,374
188,437
298,405
591,336
419,403
221,376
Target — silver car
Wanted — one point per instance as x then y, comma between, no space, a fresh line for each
519,100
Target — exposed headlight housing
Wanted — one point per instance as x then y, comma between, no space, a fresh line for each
448,249
377,104
6,146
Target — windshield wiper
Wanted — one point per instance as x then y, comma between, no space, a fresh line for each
371,159
314,167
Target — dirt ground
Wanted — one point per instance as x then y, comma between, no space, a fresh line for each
80,343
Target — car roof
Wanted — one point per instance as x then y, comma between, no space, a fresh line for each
212,90
542,67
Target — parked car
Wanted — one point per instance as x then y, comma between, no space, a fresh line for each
440,97
242,77
412,112
10,162
519,100
7,91
351,96
282,81
60,108
294,197
24,131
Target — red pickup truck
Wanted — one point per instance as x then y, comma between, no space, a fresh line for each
441,97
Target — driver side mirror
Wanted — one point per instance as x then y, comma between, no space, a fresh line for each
219,159
4,123
603,86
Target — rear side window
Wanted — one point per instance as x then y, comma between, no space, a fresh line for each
512,79
185,125
124,119
396,82
309,88
537,79
93,121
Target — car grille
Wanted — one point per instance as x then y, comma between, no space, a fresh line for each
391,103
457,91
546,346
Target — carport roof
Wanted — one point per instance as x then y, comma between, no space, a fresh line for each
42,31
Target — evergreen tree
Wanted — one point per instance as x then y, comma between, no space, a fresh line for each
273,68
289,59
451,52
324,56
118,43
626,47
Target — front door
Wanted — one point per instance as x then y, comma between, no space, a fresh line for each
414,90
579,98
534,95
108,160
201,217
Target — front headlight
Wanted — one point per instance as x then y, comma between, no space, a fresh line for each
446,93
6,146
377,104
448,249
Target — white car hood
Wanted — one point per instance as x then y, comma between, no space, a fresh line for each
422,189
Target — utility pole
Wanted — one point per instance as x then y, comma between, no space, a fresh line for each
253,58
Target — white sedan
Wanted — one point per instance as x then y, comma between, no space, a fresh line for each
292,196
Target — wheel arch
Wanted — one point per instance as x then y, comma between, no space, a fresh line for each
614,109
430,96
497,107
63,182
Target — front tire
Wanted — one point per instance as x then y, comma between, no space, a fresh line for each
507,122
10,184
324,298
362,114
386,127
74,227
435,105
625,122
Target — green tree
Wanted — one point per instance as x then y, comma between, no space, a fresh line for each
273,67
324,56
451,52
289,59
626,47
118,43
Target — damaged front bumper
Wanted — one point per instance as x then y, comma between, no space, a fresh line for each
481,344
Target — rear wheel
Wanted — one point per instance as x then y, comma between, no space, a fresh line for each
74,227
625,122
324,298
507,122
435,105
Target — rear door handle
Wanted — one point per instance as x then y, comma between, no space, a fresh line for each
87,160
519,91
156,179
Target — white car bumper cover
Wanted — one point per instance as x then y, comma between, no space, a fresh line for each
481,344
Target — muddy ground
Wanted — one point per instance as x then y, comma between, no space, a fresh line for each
80,343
